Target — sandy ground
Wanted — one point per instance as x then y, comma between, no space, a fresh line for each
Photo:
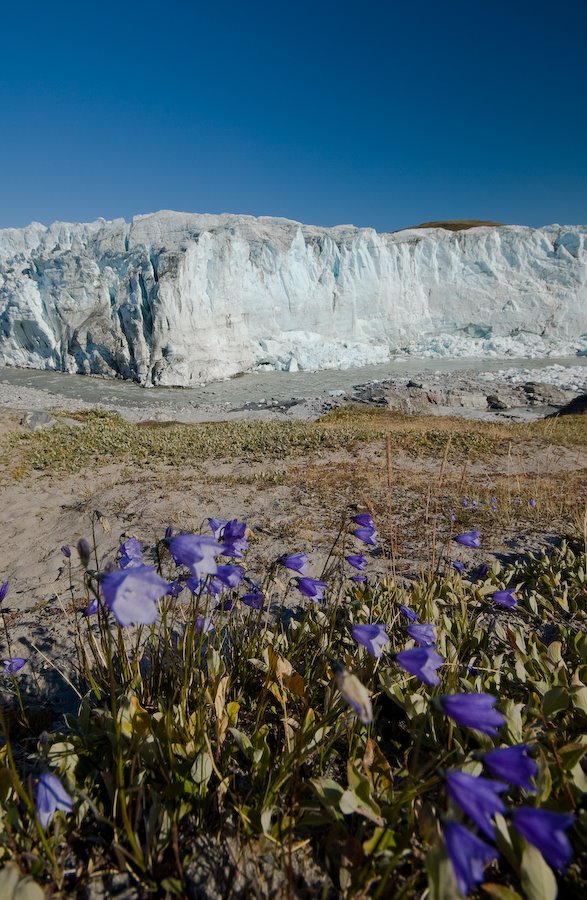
41,513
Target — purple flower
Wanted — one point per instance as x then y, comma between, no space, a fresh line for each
232,534
505,598
197,552
230,576
356,561
473,711
4,590
13,665
66,551
478,798
468,854
204,624
254,599
469,539
424,635
168,532
364,519
482,572
312,588
224,605
512,764
366,535
408,613
131,554
174,588
373,637
84,551
296,562
546,831
359,579
131,594
51,797
458,566
421,661
532,503
91,609
208,585
217,525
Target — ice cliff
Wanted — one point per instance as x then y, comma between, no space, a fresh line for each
176,298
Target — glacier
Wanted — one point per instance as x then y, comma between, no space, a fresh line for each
176,299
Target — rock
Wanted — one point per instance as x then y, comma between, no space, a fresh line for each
576,407
546,395
493,402
37,419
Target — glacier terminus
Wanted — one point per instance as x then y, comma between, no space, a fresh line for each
176,299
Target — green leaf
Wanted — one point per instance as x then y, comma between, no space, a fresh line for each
442,884
13,886
556,700
578,694
202,768
500,891
536,876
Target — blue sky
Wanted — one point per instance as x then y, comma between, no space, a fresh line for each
379,114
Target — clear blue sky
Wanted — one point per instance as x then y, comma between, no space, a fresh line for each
374,113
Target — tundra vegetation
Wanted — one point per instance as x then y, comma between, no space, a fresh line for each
246,730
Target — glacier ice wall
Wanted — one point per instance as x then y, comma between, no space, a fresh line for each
175,298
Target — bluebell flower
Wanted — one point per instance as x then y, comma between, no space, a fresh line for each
232,537
469,855
13,665
231,576
470,539
356,561
512,764
84,551
311,587
197,552
532,503
505,598
254,598
478,798
546,831
364,519
458,566
217,525
66,551
175,588
424,635
91,609
51,798
366,535
210,584
131,554
422,662
131,594
473,711
481,572
204,624
295,562
408,613
372,637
